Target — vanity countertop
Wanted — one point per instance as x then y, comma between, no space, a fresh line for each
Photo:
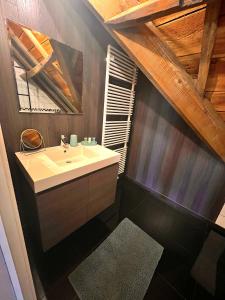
56,165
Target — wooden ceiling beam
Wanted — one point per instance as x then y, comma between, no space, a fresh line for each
38,68
150,10
160,66
208,40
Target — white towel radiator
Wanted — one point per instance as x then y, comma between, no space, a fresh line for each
120,81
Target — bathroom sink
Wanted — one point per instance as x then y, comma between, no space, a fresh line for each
71,155
56,165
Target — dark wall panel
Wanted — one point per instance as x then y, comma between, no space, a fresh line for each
71,23
166,156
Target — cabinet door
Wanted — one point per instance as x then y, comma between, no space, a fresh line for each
102,187
62,210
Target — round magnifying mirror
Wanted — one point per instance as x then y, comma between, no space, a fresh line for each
31,139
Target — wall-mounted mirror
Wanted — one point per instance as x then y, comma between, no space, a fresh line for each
48,73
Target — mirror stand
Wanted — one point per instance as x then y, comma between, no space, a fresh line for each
26,147
25,151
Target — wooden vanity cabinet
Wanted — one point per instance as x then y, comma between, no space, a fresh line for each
102,186
63,209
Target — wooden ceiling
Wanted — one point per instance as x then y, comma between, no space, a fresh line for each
182,52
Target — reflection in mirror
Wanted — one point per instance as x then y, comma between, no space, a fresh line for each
31,139
48,73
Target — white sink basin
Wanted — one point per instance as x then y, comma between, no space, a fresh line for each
72,155
54,165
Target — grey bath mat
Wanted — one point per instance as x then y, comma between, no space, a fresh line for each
121,268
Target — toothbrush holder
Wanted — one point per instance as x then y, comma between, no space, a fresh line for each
73,140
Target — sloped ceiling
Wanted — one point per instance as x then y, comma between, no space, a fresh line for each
182,32
169,50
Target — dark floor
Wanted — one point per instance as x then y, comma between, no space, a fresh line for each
60,261
171,280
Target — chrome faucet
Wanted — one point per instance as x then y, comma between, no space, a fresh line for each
63,143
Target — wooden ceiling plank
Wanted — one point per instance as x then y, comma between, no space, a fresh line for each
150,10
160,66
208,40
222,115
217,99
178,15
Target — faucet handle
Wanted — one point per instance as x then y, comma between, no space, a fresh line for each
63,138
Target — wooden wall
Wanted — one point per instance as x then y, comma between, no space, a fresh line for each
69,22
166,156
